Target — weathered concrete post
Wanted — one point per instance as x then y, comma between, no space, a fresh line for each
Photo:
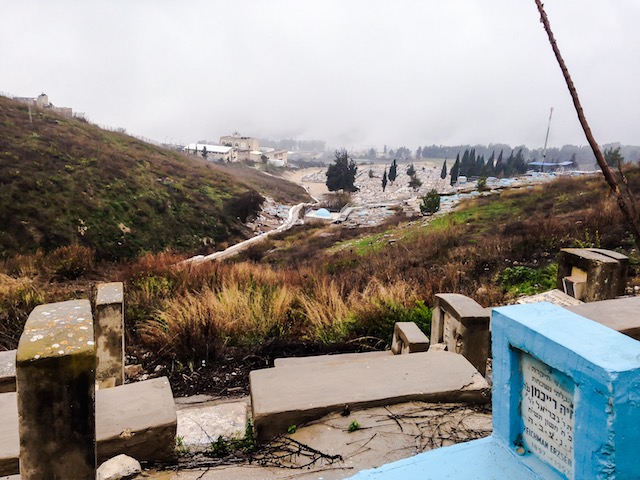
55,377
110,334
463,326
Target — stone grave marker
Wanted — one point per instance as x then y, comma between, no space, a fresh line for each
566,399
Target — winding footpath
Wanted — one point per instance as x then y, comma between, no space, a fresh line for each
292,219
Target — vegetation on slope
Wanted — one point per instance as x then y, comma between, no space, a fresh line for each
64,181
319,288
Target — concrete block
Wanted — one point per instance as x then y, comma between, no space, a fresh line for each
8,371
464,326
408,338
592,274
281,397
137,419
55,379
109,326
199,426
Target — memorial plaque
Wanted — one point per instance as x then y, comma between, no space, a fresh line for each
547,414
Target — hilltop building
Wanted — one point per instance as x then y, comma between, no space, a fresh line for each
42,101
242,146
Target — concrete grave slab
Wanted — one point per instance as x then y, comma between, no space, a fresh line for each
138,419
621,314
199,426
337,358
281,397
8,371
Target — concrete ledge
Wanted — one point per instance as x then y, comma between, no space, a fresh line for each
8,371
281,397
338,358
138,419
408,338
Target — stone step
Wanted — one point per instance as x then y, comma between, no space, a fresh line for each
281,397
138,419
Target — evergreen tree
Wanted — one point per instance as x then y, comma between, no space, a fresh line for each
479,165
463,166
499,168
411,170
430,202
612,156
455,171
419,152
384,180
342,174
443,173
415,182
393,171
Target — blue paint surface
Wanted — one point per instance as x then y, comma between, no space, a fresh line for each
603,367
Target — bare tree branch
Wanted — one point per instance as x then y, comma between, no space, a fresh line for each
629,209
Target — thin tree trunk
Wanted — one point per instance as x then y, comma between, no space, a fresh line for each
629,210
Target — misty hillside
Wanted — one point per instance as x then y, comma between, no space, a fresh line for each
64,181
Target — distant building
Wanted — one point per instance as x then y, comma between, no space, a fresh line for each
42,101
214,152
279,158
242,146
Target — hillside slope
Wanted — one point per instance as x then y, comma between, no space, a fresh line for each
65,181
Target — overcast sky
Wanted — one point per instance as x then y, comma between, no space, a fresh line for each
356,73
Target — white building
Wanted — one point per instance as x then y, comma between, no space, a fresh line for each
214,152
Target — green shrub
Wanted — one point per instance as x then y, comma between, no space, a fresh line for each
521,280
430,202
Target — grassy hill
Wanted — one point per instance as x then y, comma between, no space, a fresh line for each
64,181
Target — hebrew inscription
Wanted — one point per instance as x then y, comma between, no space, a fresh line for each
547,414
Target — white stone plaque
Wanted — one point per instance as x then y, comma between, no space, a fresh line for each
547,414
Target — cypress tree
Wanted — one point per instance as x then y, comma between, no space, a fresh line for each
443,173
455,170
393,171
